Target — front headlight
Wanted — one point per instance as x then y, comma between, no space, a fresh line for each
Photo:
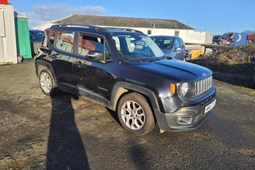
184,89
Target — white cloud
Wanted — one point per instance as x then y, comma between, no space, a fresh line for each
44,13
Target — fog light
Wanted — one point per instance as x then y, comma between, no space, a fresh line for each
184,120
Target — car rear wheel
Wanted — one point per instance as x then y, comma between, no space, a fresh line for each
135,115
46,81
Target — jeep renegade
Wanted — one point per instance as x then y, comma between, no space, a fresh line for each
125,71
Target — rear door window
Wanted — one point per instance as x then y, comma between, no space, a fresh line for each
65,41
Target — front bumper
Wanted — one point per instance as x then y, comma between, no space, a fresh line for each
186,118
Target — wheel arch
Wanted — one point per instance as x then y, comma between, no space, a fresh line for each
40,65
122,88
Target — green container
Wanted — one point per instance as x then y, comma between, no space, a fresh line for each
22,35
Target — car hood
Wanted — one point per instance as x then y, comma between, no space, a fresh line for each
174,69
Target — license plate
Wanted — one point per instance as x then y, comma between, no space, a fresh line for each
210,106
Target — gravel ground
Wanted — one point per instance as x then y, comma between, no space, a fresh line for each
66,132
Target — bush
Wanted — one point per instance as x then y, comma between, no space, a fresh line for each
236,60
235,55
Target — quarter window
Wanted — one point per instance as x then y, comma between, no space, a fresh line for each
52,36
65,41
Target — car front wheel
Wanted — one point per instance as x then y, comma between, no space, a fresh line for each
46,81
135,115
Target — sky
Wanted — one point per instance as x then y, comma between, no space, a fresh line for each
216,16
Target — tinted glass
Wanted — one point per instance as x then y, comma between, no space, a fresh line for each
181,43
52,36
88,43
65,41
177,43
164,43
136,47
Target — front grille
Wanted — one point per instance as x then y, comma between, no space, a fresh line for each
202,86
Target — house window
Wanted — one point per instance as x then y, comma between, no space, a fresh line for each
176,33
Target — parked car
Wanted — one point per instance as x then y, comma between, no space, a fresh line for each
172,46
125,71
36,38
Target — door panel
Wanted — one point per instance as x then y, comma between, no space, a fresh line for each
77,72
62,68
94,76
104,79
90,74
61,56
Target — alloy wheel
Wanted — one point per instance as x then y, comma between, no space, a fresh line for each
133,115
45,82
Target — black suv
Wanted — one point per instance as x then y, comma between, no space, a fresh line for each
125,71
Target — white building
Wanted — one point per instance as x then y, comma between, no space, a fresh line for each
148,26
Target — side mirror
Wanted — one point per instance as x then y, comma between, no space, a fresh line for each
168,57
96,55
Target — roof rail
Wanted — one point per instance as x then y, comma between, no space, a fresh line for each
78,25
95,27
124,29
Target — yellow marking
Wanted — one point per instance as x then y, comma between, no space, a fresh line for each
239,37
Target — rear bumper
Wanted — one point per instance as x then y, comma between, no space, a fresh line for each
186,118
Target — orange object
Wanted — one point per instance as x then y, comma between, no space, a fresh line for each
195,53
3,1
172,88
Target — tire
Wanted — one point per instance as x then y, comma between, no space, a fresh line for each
135,114
46,81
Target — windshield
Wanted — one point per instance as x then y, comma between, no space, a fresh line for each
164,43
137,47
